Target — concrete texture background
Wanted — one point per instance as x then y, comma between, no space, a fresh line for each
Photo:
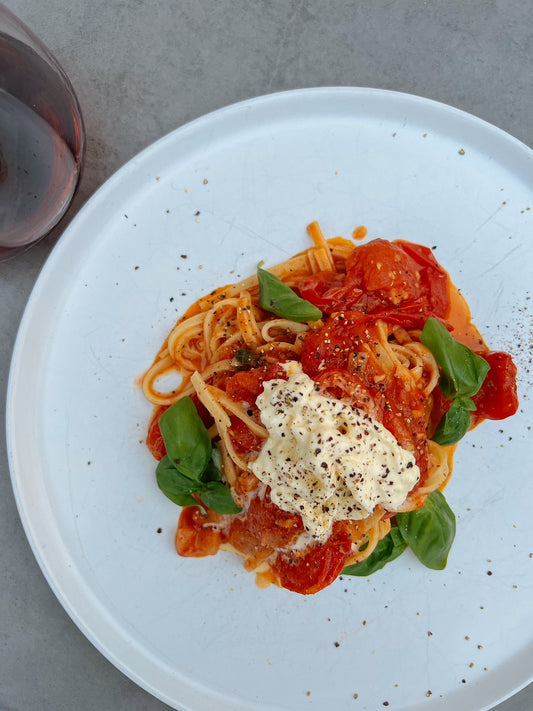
143,68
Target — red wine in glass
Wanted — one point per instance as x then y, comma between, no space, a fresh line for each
42,141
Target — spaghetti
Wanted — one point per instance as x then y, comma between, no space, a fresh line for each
366,351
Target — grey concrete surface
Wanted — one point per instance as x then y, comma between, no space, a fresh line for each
142,68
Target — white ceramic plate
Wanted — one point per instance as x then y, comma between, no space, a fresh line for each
198,209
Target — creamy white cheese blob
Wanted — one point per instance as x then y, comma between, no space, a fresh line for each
325,460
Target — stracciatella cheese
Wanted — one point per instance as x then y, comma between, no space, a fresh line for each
325,460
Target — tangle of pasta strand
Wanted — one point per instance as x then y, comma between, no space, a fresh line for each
199,349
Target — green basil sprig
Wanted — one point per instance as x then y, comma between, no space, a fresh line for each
429,532
389,548
192,464
455,423
462,370
462,373
246,358
280,299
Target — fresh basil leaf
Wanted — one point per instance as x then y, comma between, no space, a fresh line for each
218,497
213,471
280,299
186,438
192,465
462,370
246,357
429,531
175,485
388,548
455,423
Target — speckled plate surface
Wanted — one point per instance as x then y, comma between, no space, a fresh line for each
198,209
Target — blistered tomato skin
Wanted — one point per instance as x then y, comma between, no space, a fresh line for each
316,568
197,536
382,277
244,440
246,385
270,525
498,397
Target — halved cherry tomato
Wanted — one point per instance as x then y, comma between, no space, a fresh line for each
246,385
331,347
497,398
244,440
264,528
436,278
386,269
270,525
404,414
316,568
196,536
381,277
243,540
340,383
327,292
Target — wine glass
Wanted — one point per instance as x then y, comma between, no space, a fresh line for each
42,138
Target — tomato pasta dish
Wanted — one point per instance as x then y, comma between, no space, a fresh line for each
317,412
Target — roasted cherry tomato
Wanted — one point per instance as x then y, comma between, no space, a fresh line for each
317,567
497,398
341,384
436,279
270,525
196,536
246,385
331,347
383,277
244,440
